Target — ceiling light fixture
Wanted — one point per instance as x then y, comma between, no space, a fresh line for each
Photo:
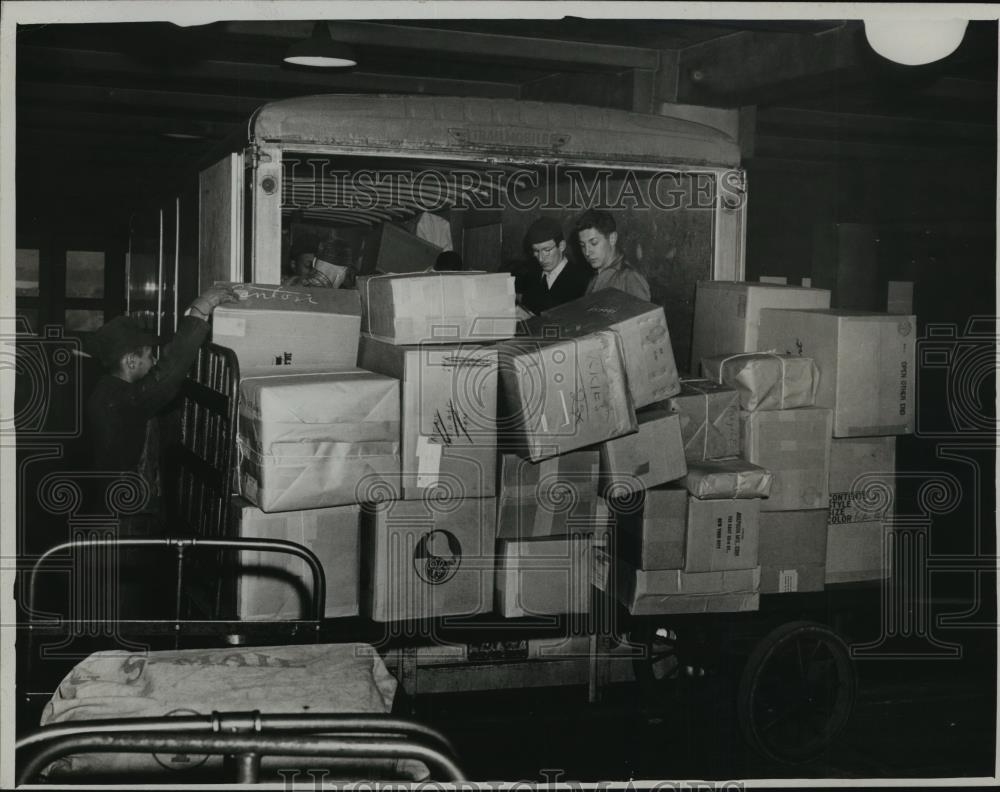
321,51
914,42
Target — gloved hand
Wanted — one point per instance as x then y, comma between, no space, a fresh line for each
206,302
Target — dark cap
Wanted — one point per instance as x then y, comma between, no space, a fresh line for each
543,230
122,334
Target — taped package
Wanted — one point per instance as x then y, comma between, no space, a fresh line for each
318,439
764,380
709,419
727,478
438,307
792,551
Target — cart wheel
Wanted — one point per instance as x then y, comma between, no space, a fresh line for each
797,692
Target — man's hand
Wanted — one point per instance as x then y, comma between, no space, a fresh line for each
207,301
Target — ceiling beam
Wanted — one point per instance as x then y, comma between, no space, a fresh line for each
461,43
64,93
787,147
974,91
68,119
820,123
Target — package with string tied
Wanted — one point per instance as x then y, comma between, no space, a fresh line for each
765,380
727,478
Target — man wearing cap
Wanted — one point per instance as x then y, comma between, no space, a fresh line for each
559,281
598,237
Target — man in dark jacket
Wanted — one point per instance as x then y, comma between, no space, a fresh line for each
559,281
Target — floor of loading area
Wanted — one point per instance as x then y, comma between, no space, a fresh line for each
914,718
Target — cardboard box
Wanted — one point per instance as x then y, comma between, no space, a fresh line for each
727,313
710,419
667,591
307,441
449,404
438,307
795,446
865,360
721,535
555,497
390,248
642,327
862,494
425,559
766,381
290,327
727,478
538,577
649,532
561,395
652,456
792,551
279,586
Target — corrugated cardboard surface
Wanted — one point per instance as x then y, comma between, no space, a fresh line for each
652,456
449,397
290,327
279,586
855,552
727,478
314,440
866,363
766,381
792,551
727,313
795,446
709,419
649,533
554,497
425,559
642,327
560,396
722,535
438,307
543,576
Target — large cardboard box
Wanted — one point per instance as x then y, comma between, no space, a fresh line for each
538,577
279,586
449,404
795,446
710,419
307,441
649,532
727,314
727,478
765,381
652,456
554,497
642,327
721,535
559,395
290,327
862,493
792,551
425,559
865,360
438,307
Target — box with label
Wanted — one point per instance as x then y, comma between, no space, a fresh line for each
865,362
792,551
278,585
449,405
727,314
554,497
721,534
795,446
710,419
765,381
311,440
427,558
560,395
666,591
538,577
649,531
438,307
862,494
642,327
290,326
652,456
727,478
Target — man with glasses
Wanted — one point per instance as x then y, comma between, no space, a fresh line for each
559,281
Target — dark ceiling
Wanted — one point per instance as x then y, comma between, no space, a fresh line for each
110,111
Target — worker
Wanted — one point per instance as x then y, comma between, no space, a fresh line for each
559,281
599,242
